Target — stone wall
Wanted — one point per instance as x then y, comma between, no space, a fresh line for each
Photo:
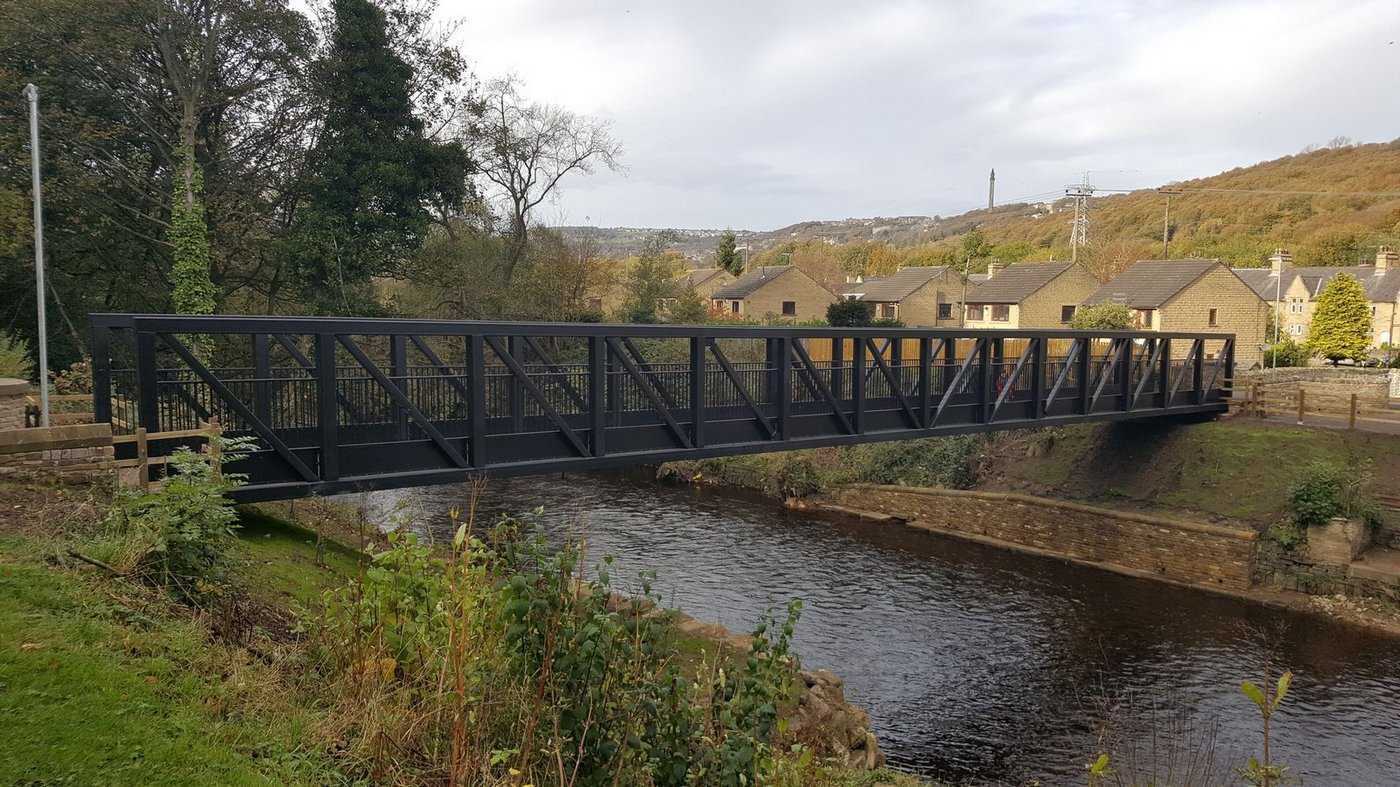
82,450
1189,552
1297,571
1238,310
1326,380
12,399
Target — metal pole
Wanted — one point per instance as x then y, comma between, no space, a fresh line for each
1278,297
32,93
1166,229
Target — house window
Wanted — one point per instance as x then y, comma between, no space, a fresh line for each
1213,313
1295,305
1001,313
1066,313
1373,311
945,311
1142,319
733,307
1296,329
888,311
789,308
976,311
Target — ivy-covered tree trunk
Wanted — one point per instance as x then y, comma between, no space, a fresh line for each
192,289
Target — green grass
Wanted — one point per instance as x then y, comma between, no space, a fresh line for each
281,560
110,685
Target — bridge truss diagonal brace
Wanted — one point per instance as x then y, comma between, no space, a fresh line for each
744,394
402,400
980,347
661,406
1153,362
814,380
1075,348
877,356
258,427
1009,385
524,378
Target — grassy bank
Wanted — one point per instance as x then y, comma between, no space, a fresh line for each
1233,469
115,682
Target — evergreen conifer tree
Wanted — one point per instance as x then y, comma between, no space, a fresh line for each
1341,324
372,169
727,255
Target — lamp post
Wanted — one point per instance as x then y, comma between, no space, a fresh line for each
32,93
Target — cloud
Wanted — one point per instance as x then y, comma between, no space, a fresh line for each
757,115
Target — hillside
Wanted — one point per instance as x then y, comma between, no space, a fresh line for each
1240,216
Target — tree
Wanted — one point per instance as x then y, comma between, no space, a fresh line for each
191,288
849,313
373,169
688,307
1103,317
526,149
1341,324
651,282
727,255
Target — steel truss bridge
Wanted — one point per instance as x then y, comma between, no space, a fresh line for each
340,404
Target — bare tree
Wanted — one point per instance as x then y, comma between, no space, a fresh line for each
525,149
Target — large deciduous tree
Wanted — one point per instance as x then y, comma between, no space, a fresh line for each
727,255
526,149
1341,323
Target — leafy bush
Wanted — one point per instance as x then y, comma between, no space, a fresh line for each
179,536
1326,491
1286,353
796,477
15,360
511,666
849,313
935,461
76,379
1103,317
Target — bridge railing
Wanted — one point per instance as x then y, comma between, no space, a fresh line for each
346,403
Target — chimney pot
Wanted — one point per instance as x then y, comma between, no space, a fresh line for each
1386,258
993,269
1281,259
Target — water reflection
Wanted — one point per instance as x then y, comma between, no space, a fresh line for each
976,662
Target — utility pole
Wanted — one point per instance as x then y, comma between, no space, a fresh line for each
992,190
32,93
1079,234
1166,222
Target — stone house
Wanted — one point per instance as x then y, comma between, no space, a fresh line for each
1028,295
779,291
1292,292
920,297
1191,296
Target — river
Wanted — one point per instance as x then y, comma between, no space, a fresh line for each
978,663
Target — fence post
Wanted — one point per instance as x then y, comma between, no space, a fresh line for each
1351,421
212,446
1261,410
1301,393
143,455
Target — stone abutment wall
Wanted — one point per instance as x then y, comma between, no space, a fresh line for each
1180,551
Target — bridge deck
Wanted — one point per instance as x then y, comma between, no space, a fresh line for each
346,404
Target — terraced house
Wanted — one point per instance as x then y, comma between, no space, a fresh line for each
1028,295
1192,296
778,292
919,297
704,281
1292,292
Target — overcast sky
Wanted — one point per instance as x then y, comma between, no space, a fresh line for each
755,114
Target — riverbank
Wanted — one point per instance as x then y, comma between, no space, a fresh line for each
1233,474
138,689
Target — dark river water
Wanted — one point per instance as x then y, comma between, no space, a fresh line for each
975,663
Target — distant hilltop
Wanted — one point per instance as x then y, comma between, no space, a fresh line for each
1332,205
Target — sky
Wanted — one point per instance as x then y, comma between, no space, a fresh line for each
756,114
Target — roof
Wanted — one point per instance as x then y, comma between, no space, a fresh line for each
1148,284
745,285
695,277
895,287
1015,283
1381,288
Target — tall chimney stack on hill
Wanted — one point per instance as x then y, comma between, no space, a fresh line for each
992,190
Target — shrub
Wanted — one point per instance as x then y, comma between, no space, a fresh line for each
1103,317
15,360
935,461
179,536
849,313
1326,491
1286,353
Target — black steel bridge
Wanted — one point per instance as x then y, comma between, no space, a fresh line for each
341,404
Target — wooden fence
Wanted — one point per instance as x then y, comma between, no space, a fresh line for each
1264,401
143,461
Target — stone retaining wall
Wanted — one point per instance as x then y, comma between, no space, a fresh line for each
12,396
1181,551
1326,380
1297,571
83,450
